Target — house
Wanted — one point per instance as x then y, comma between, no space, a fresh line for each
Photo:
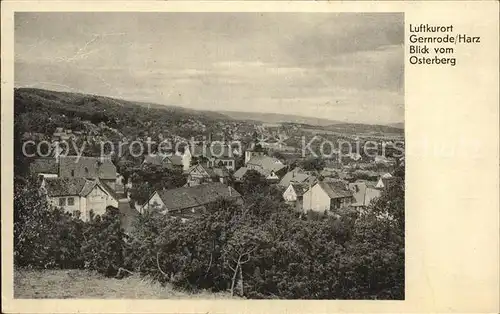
384,181
199,174
217,154
267,166
327,196
176,161
384,160
101,168
297,175
294,194
252,151
79,195
364,192
189,201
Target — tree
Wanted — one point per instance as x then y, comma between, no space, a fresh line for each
252,182
313,164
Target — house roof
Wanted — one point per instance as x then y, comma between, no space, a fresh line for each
364,192
67,186
155,159
109,190
267,163
75,187
194,196
221,172
238,175
44,165
175,160
300,188
335,189
296,176
87,167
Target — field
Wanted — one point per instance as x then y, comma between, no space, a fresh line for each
81,284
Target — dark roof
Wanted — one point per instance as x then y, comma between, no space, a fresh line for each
335,189
175,160
44,165
156,160
300,188
74,187
66,186
87,167
194,196
109,190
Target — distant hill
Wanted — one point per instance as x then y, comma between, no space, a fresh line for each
400,125
358,128
132,117
278,118
76,101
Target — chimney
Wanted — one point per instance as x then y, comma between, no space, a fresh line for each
230,192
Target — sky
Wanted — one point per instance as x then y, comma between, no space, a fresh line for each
339,66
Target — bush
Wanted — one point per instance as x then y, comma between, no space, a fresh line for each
260,250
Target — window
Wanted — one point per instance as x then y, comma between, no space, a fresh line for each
62,201
72,173
86,171
71,201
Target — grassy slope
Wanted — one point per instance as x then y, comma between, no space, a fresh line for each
81,284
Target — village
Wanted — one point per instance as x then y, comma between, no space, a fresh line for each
212,170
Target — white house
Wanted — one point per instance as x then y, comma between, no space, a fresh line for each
383,181
327,196
294,193
79,195
364,193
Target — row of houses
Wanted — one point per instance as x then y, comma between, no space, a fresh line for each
89,184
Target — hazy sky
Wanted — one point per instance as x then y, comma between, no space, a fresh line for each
342,66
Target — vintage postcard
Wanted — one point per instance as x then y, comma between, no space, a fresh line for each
226,157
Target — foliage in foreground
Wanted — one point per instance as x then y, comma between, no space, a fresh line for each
259,250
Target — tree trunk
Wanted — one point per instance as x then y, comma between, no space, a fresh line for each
233,281
239,285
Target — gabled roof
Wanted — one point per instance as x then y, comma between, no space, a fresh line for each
74,187
238,175
109,190
364,192
174,160
65,186
294,176
44,165
335,189
201,169
267,163
194,196
155,159
300,188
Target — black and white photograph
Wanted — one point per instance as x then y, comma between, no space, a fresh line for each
209,155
